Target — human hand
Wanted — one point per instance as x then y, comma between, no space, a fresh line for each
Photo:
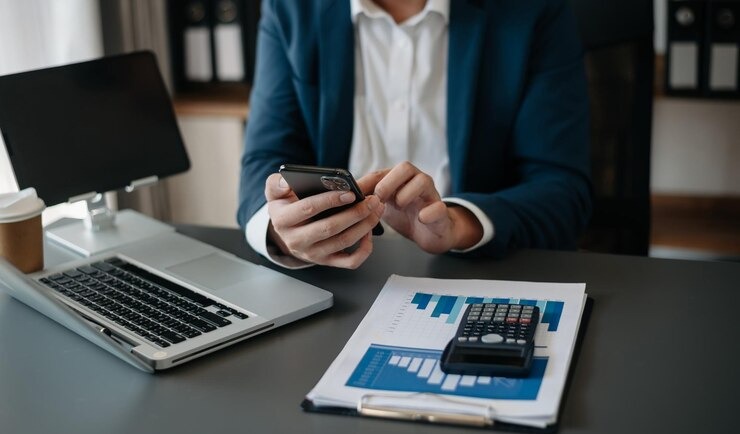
322,241
415,209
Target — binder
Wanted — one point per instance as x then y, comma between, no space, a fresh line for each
685,48
196,34
212,42
723,48
228,41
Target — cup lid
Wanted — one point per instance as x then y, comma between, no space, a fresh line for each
15,207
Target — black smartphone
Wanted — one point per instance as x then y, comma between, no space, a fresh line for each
307,181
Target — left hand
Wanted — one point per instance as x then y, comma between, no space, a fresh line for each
415,210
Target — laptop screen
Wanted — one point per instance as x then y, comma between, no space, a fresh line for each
90,127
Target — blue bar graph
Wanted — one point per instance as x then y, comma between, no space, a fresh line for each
421,300
417,370
452,305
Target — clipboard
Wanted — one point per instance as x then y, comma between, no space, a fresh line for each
367,407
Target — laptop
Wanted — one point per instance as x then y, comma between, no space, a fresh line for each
128,283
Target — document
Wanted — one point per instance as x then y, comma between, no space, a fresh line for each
392,359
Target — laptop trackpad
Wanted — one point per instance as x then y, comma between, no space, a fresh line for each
214,271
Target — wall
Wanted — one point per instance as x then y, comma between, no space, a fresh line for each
207,193
696,147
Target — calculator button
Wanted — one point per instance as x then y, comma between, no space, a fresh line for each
492,338
473,339
525,320
521,341
462,339
510,341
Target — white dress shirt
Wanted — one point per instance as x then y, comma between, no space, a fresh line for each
400,105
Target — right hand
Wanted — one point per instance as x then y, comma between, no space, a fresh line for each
322,241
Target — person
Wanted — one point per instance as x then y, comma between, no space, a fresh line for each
467,122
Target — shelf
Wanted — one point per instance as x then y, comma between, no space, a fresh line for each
223,100
700,223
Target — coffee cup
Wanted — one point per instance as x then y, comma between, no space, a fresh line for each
21,234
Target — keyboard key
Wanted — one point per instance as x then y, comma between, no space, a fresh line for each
172,336
87,270
72,274
215,319
201,325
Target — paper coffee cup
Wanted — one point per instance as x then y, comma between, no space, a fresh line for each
21,234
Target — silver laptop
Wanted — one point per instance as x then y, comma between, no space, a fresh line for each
135,287
165,301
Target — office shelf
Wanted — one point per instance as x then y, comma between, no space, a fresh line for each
221,100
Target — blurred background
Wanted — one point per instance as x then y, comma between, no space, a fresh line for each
664,86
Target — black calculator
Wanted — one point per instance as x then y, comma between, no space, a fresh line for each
493,339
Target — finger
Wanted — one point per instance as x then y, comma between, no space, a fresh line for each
435,213
396,177
349,237
276,188
309,207
336,224
368,182
354,259
420,186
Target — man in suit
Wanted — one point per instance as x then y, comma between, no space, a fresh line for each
467,121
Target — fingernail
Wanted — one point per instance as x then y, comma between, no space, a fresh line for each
347,197
283,183
373,202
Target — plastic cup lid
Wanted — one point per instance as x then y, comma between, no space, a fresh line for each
15,207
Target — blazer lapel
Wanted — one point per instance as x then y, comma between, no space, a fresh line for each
336,83
465,37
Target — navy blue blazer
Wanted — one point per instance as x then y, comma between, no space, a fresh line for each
517,110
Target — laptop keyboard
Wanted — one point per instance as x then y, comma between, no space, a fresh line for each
154,308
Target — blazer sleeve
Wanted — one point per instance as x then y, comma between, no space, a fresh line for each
276,131
550,202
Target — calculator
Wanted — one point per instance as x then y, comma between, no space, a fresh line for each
493,339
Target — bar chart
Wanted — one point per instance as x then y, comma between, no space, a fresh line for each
417,370
453,305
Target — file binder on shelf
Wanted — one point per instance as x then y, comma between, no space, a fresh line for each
685,48
228,41
212,42
723,49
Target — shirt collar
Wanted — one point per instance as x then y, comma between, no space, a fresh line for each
371,10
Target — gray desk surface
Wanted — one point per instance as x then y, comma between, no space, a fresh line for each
659,355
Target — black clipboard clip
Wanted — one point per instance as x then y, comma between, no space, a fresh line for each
419,407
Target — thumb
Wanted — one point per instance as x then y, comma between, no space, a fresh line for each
276,187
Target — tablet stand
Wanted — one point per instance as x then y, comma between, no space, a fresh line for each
104,229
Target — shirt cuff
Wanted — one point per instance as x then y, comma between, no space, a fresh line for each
256,234
485,221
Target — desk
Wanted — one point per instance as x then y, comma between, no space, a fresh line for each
660,355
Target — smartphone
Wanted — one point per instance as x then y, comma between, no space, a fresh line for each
307,181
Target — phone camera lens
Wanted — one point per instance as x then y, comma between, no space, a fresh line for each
334,183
